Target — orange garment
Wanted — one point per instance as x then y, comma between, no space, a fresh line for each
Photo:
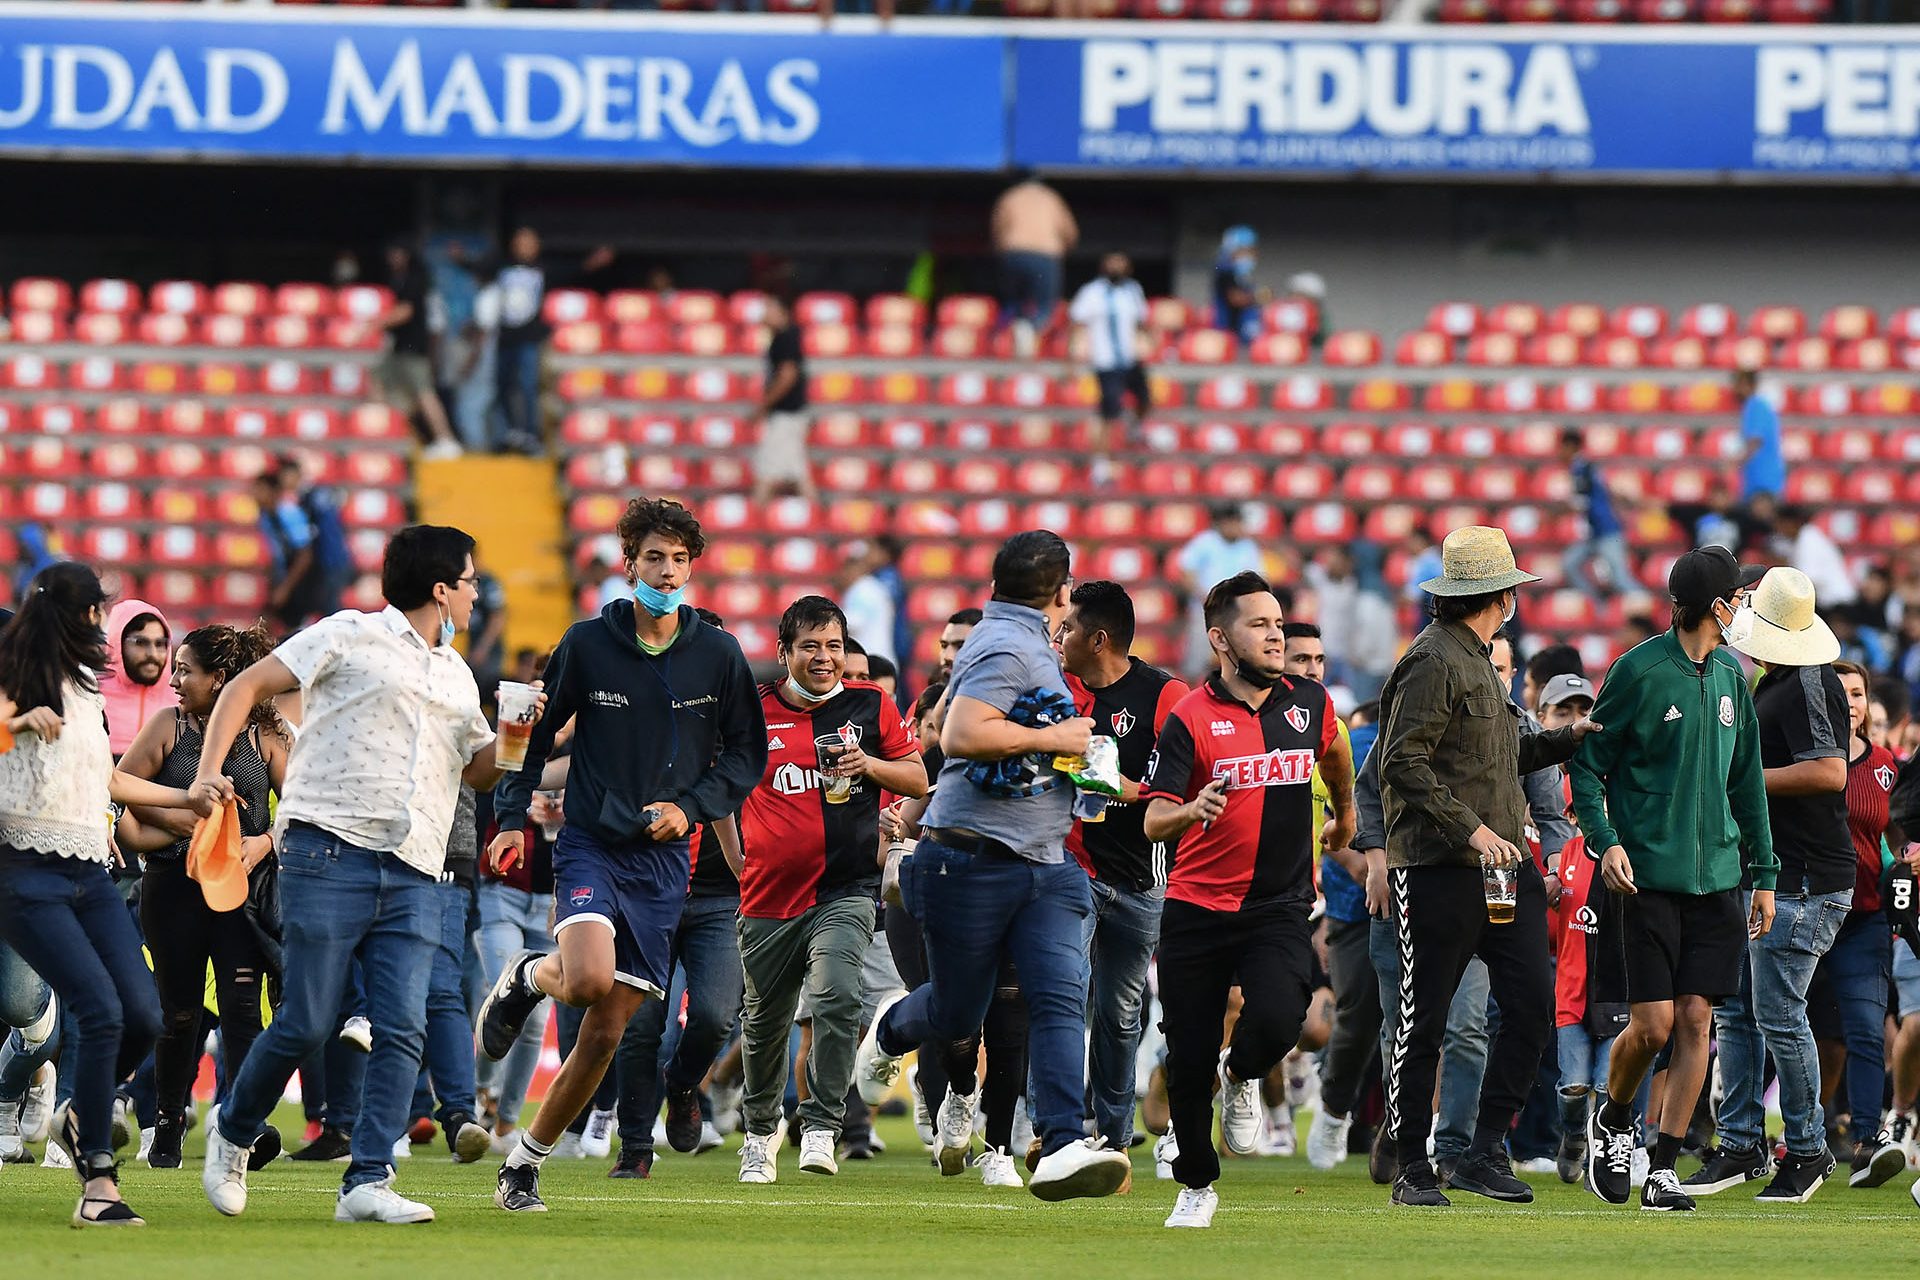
213,859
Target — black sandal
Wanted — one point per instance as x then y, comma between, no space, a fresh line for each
114,1213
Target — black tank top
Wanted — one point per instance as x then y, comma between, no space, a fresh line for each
245,767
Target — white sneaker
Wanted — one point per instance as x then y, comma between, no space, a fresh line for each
568,1148
1023,1134
1278,1137
1302,1081
125,1125
146,1145
1080,1170
1239,1112
727,1099
357,1032
709,1138
403,1148
1327,1140
816,1153
1194,1208
1642,1164
998,1170
36,1113
874,1070
597,1142
1915,1191
1166,1148
224,1176
12,1149
441,451
757,1158
378,1202
922,1117
55,1158
956,1131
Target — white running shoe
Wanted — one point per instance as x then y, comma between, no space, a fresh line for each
1023,1134
597,1142
224,1176
146,1145
709,1138
1194,1208
126,1126
1303,1082
403,1149
1915,1191
922,1117
12,1149
568,1148
36,1113
816,1153
956,1131
1327,1140
875,1070
1642,1165
1080,1170
55,1157
1239,1112
1278,1137
1166,1148
727,1099
378,1202
442,451
757,1158
357,1033
998,1170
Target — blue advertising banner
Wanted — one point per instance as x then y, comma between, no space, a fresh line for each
1420,101
566,89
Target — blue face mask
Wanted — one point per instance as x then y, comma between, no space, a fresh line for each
446,630
655,601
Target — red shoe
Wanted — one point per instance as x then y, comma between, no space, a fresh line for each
422,1131
313,1131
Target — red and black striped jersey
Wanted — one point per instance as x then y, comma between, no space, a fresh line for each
799,850
1132,710
1261,849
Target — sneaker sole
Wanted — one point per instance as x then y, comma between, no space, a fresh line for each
953,1160
1802,1198
471,1143
495,994
1725,1184
500,1202
1103,1178
825,1170
1888,1163
1455,1183
1665,1208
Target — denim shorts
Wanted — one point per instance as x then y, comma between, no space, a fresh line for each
1906,978
637,891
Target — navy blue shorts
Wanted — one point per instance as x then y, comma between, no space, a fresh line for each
637,891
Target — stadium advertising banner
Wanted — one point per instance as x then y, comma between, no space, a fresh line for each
1420,101
553,90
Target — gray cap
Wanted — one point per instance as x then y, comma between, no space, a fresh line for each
1564,688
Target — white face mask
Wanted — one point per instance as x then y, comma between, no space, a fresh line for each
1740,629
1513,607
801,696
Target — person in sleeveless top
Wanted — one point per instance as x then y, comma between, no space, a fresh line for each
58,906
183,933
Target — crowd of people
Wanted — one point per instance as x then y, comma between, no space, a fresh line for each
1389,914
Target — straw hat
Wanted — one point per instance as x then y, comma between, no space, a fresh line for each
1786,630
1476,561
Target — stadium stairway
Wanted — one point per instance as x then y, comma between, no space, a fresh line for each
512,507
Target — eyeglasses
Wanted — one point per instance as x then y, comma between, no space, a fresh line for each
470,580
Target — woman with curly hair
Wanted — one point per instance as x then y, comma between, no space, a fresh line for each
183,932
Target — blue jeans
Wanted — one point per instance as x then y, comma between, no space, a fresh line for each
340,901
971,908
1583,1059
1782,965
518,373
23,1000
70,925
1463,1054
449,1051
511,921
655,1056
1120,937
1861,968
1030,287
1611,550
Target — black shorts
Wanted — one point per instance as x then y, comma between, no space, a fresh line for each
1658,946
1117,384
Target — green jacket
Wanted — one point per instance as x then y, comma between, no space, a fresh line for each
1674,775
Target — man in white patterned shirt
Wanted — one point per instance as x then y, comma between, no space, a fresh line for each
392,727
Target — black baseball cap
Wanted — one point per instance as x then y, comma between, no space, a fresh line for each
1707,574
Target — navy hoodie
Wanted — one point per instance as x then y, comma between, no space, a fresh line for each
683,727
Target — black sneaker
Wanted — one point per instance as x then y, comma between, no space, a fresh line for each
1417,1187
1610,1159
858,1146
507,1008
332,1144
1661,1193
1443,1167
1383,1159
1799,1177
683,1119
518,1189
168,1133
266,1149
1727,1168
1489,1174
1877,1162
1571,1161
466,1140
633,1162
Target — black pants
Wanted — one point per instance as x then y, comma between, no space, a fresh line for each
183,934
1441,917
1356,1016
1268,952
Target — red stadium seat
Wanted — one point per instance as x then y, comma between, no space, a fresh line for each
117,297
966,310
1823,399
1389,523
1521,319
1208,346
1848,322
48,459
1807,355
363,301
1411,440
1292,315
103,328
1375,395
1554,350
122,417
1651,11
1734,352
570,306
39,293
54,418
1642,320
1325,523
38,327
177,297
252,422
1437,482
1351,348
1423,349
632,306
895,342
1638,398
1730,11
1708,320
1497,349
1451,395
1581,319
221,330
1684,351
1370,482
1456,319
895,309
165,329
1778,323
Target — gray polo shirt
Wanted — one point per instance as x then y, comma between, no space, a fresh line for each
1005,657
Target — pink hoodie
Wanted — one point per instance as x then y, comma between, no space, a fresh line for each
129,705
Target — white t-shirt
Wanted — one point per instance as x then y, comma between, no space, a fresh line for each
1113,315
869,611
1815,555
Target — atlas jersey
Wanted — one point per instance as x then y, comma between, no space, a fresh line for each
799,850
1132,710
1261,849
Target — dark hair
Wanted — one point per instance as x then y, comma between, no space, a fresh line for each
880,667
1571,437
854,646
966,618
51,641
1106,606
809,613
1642,622
1299,631
418,558
1690,617
928,699
1891,692
230,651
1030,567
1846,668
711,618
1555,660
1460,608
1369,710
1225,596
646,516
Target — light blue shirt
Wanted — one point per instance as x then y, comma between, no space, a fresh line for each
1766,470
1210,558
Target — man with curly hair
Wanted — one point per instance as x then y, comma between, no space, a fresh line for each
668,734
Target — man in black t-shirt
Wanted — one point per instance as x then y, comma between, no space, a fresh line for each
1129,701
406,372
780,463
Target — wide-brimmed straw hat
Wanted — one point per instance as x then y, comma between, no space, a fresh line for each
1786,630
1476,560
